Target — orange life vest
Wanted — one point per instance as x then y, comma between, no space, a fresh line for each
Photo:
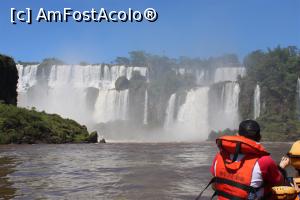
233,177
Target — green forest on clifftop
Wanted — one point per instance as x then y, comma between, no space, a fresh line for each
276,71
20,125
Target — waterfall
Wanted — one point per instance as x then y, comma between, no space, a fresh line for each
27,76
231,97
200,76
111,105
205,76
230,100
228,73
145,121
70,90
207,108
194,116
298,96
169,120
64,91
257,102
192,120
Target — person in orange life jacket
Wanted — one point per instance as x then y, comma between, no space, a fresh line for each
243,169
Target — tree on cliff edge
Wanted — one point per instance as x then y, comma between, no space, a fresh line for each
8,80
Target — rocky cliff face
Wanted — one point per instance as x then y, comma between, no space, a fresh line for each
129,99
152,94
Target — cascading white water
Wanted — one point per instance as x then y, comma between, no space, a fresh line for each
204,77
90,76
231,94
257,102
230,101
27,77
200,76
298,91
169,119
226,112
66,87
228,73
192,120
111,105
145,121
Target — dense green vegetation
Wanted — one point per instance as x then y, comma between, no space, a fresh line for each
276,71
8,80
20,125
215,134
165,80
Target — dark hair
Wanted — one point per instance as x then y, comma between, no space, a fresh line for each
250,129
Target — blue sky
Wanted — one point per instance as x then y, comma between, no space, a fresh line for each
195,28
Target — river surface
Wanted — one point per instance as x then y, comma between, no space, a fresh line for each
116,171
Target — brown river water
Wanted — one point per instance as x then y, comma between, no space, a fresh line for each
116,171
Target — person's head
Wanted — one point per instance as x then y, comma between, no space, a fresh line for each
250,129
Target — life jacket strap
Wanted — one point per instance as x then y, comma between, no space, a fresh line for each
210,182
236,153
228,182
241,186
227,195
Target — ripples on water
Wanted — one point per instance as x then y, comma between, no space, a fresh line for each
109,171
